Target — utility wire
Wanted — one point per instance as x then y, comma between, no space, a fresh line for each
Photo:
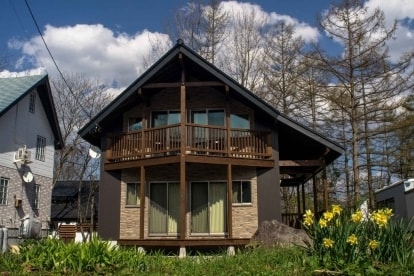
54,61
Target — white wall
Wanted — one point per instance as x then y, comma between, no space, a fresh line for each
19,127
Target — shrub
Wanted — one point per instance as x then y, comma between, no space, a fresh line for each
345,240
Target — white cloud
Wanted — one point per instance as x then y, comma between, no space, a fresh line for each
31,72
403,11
302,29
92,50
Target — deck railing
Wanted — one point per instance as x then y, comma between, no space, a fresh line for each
199,140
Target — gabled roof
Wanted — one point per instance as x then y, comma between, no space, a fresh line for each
165,70
12,90
65,199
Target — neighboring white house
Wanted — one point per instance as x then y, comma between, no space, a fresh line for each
30,135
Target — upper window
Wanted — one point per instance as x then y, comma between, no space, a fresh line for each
240,121
36,196
4,183
134,124
40,148
214,117
163,118
242,192
132,195
32,103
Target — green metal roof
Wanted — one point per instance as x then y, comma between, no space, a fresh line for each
12,89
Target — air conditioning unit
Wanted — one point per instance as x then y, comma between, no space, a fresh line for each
409,184
23,155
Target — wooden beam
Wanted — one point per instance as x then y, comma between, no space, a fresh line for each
178,84
300,163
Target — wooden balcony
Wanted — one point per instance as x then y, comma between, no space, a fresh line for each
200,140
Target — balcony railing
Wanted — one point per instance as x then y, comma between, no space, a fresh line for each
199,140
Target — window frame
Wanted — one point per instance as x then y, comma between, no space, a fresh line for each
169,212
32,102
210,206
40,148
137,187
36,196
135,124
4,188
239,197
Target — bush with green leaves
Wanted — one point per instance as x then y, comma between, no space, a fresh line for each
344,240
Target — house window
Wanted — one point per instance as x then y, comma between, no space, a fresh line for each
164,118
40,148
134,124
213,117
36,196
132,195
4,183
242,192
164,209
209,208
32,102
239,121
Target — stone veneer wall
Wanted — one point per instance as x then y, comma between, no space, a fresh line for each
10,215
245,220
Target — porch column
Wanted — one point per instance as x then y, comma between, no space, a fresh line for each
303,198
229,201
315,194
183,202
325,186
142,202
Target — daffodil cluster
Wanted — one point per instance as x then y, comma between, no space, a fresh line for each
381,217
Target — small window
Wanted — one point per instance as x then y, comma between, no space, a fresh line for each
242,192
32,102
134,124
40,148
4,183
36,196
132,196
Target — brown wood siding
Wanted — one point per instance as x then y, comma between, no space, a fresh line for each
109,205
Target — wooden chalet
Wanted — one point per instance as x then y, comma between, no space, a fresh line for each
191,158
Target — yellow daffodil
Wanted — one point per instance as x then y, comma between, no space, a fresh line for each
352,240
336,209
323,223
380,217
328,243
308,218
357,216
328,216
373,244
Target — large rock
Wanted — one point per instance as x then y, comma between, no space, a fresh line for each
275,233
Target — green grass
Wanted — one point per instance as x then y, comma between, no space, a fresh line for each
53,257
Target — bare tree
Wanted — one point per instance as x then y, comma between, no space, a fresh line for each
365,76
242,59
282,71
77,100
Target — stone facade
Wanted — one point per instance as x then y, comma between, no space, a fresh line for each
18,189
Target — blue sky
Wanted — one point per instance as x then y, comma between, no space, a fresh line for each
100,36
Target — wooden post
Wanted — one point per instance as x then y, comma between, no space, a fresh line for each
183,202
229,201
142,202
325,186
315,194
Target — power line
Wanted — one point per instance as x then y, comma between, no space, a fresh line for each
54,61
